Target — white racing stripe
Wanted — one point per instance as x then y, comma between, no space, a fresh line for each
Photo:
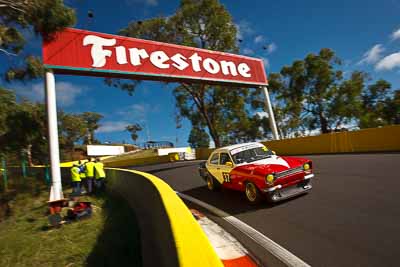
275,249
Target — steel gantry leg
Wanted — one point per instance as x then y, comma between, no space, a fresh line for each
56,192
271,116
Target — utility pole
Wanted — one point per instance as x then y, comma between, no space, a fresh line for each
271,117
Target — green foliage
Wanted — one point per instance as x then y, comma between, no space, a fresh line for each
72,129
18,18
26,130
205,24
31,69
133,129
23,128
312,94
380,106
198,138
91,120
7,104
306,90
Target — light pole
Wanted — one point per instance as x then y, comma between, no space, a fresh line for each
56,192
271,117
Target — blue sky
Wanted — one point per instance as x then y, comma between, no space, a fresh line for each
365,34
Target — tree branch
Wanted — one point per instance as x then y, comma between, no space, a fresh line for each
7,53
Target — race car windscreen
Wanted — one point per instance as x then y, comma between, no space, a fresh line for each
252,154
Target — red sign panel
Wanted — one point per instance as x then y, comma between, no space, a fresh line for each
74,51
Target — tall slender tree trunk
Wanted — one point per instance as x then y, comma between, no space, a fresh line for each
210,126
324,122
29,154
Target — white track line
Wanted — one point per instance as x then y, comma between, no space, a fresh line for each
275,249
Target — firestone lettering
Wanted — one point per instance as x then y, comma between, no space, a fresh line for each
97,52
103,48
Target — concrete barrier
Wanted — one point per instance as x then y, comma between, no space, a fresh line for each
170,236
384,139
123,162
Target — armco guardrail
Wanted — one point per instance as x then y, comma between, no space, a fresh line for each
170,236
366,140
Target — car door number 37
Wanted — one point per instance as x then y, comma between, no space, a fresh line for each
227,177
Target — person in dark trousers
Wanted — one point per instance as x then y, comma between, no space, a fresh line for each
89,175
82,174
100,175
76,179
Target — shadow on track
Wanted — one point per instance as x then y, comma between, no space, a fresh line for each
230,201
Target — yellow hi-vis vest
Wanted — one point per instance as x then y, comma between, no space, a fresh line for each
90,169
99,170
82,174
75,177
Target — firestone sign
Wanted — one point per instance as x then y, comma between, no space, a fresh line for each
74,51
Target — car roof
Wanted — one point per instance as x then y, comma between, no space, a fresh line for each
231,147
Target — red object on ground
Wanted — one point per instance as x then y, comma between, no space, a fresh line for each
81,206
228,249
244,261
56,206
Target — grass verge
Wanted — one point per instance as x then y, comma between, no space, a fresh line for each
109,238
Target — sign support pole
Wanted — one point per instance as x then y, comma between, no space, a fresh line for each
271,117
56,187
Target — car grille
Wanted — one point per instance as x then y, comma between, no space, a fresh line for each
288,172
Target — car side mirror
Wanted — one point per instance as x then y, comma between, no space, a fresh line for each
273,152
229,164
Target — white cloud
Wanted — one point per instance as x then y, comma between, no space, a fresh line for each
271,48
395,35
243,29
248,51
373,55
259,39
137,111
266,62
139,108
389,62
262,114
66,92
112,126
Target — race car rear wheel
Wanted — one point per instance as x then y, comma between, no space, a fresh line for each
212,183
252,193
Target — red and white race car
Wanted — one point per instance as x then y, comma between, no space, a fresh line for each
256,170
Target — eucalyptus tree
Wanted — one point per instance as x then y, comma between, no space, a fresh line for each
204,24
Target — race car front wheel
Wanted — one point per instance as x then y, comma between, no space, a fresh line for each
252,193
212,183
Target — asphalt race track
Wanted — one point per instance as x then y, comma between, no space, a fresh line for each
350,218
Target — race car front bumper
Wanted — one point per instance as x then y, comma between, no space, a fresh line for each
277,193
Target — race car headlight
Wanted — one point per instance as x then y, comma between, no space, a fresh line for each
306,167
269,178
